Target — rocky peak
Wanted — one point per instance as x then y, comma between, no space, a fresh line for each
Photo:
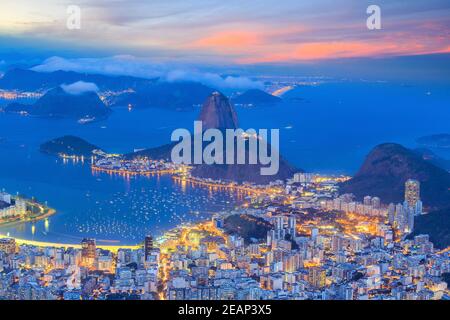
217,112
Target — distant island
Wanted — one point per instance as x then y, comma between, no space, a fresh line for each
58,103
69,146
435,140
256,97
178,96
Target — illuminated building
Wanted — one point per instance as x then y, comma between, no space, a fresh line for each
412,192
10,207
8,245
412,205
88,251
391,214
148,246
105,263
5,197
337,243
284,225
376,202
317,277
292,262
400,217
303,177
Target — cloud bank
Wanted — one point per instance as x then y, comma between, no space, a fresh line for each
126,65
79,87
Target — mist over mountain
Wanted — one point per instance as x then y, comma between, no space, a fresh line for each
174,90
29,80
141,67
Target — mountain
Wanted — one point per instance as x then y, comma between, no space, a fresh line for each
68,145
217,112
386,169
58,103
29,80
168,95
134,91
243,172
256,97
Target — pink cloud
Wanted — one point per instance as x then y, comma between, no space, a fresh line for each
260,44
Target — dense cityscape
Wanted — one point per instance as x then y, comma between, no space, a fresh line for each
317,245
224,159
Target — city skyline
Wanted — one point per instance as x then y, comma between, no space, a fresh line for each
253,151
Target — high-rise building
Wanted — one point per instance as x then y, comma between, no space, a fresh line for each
391,214
88,248
367,200
412,192
8,245
292,226
317,277
337,242
376,202
303,177
5,197
412,205
148,246
400,219
314,233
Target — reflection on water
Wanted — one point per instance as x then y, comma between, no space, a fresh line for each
328,128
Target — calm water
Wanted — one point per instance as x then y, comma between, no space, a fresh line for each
327,128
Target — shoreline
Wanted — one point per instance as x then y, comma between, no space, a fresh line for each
112,248
133,173
234,187
49,212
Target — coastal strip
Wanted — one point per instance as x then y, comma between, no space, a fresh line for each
29,211
133,173
112,248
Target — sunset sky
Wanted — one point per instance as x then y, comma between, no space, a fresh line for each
241,32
